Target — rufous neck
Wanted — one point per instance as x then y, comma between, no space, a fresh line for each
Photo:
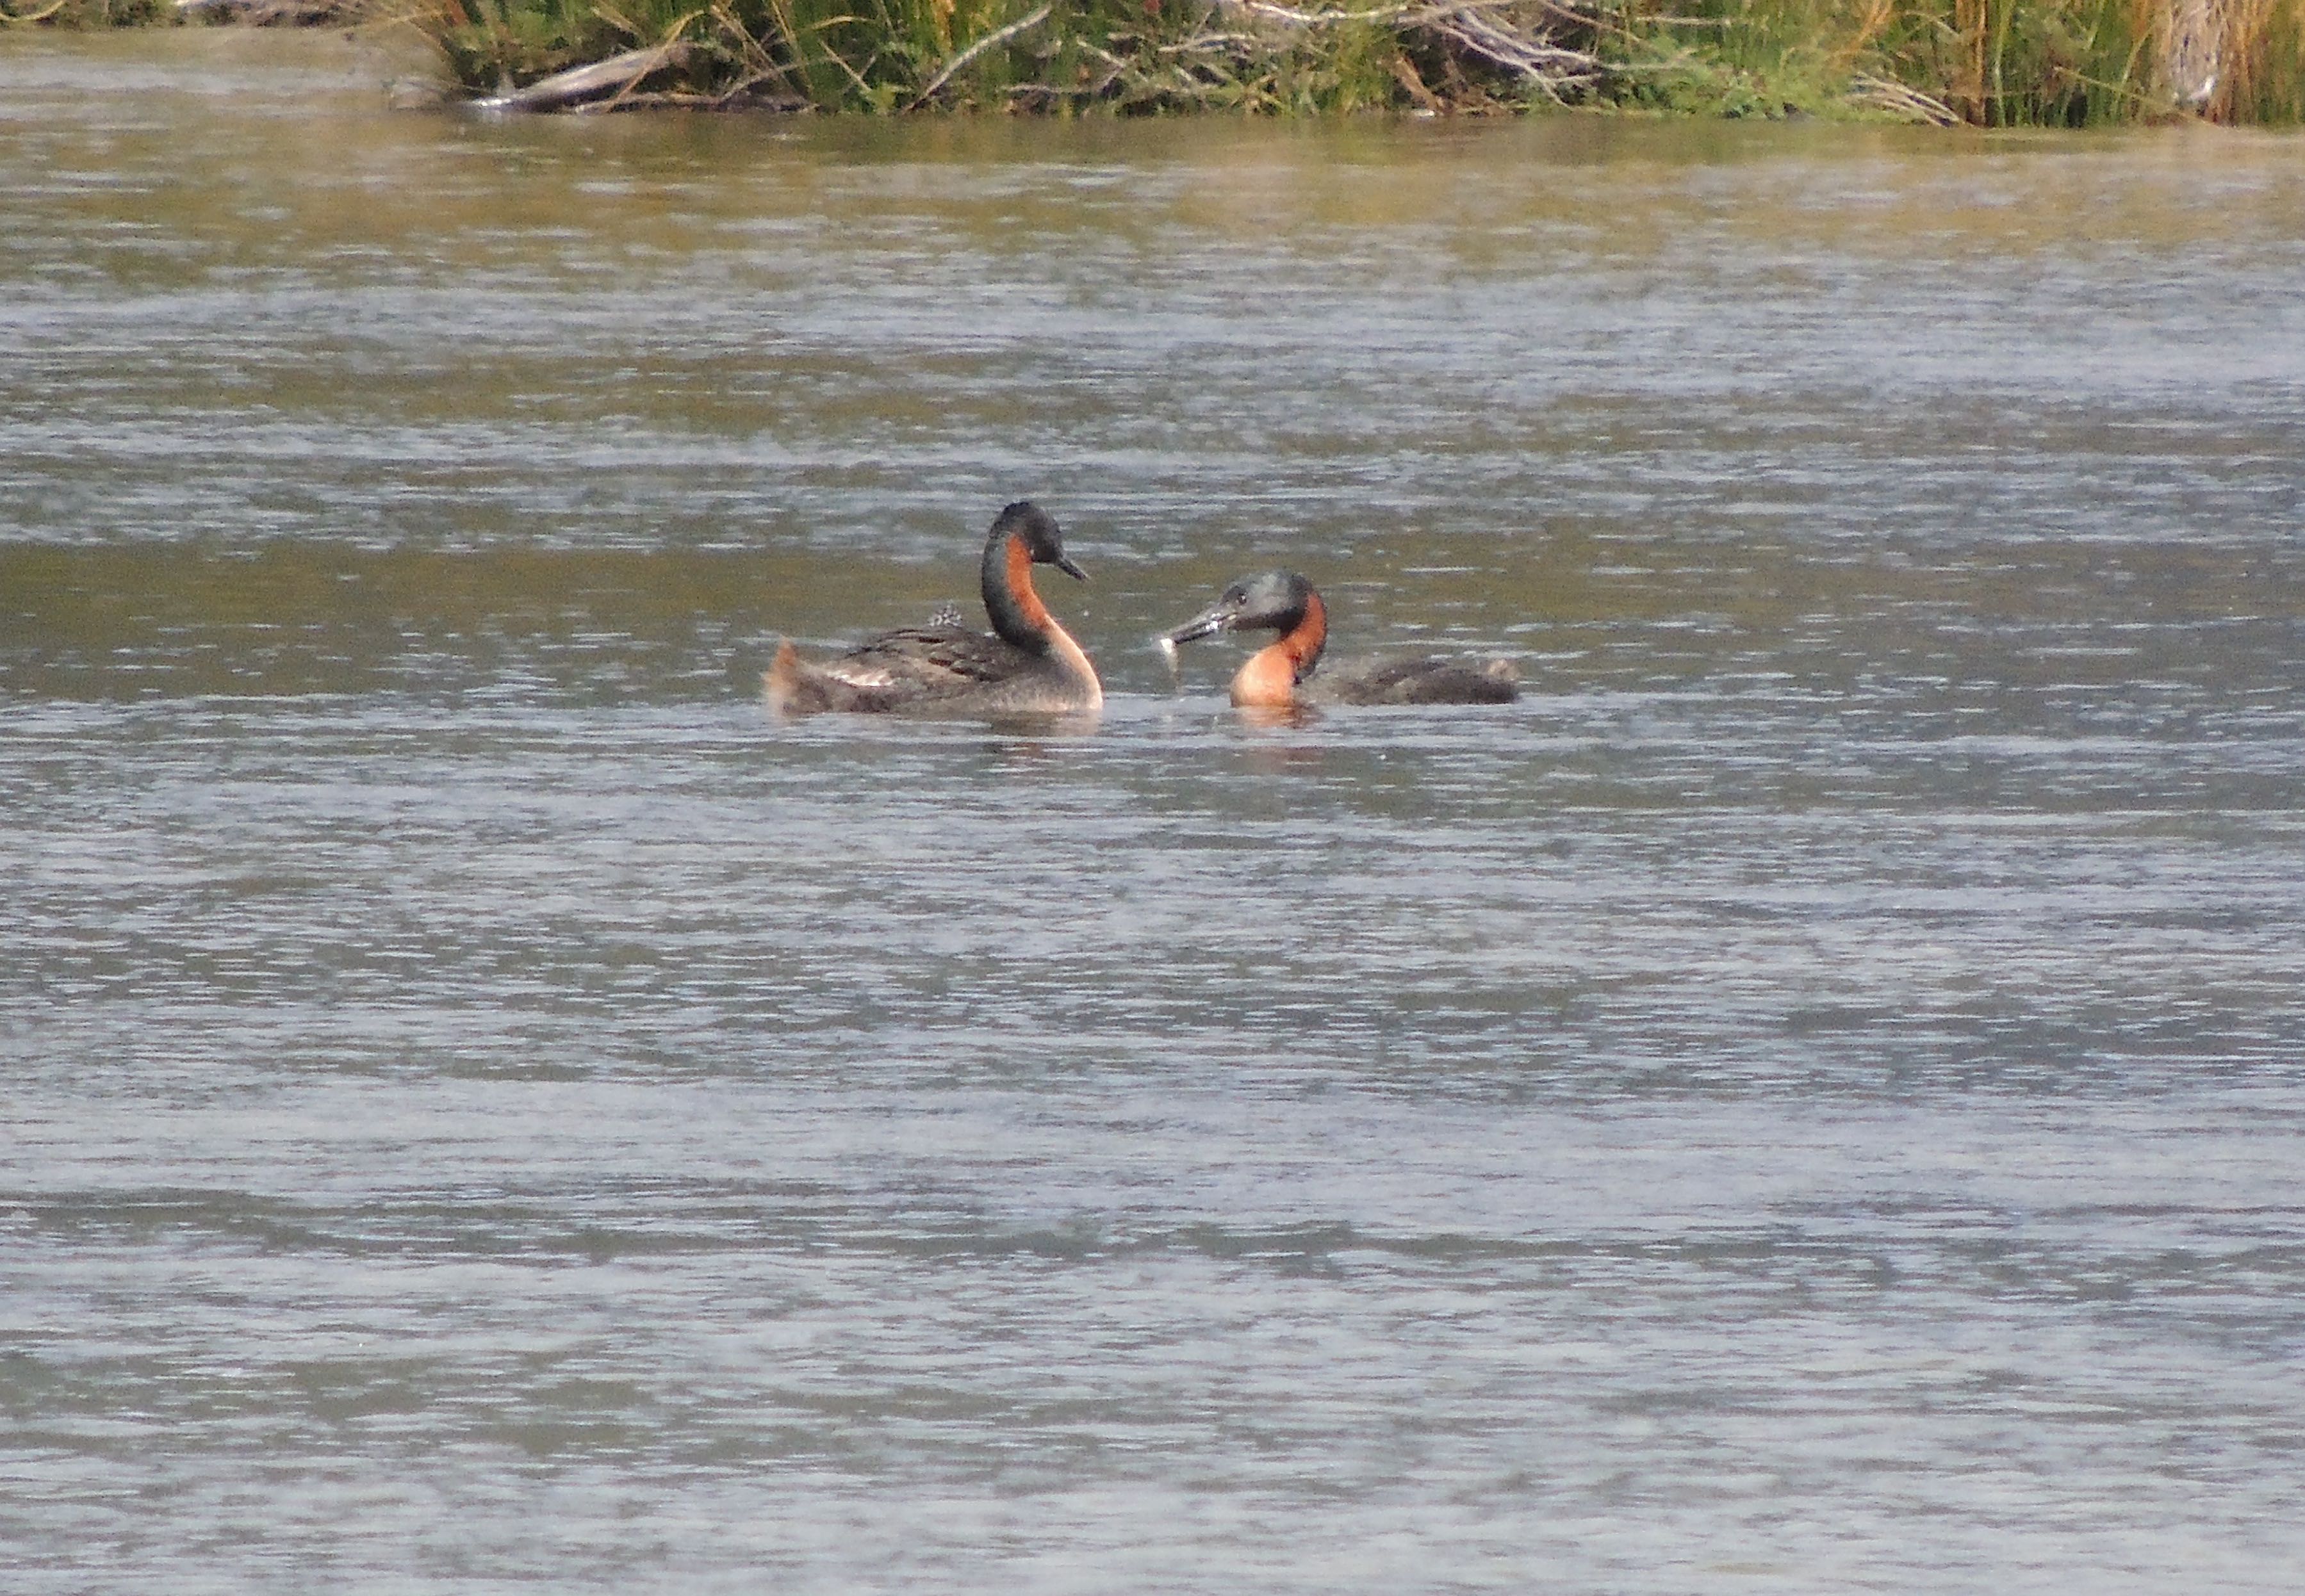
1304,641
1015,610
1267,680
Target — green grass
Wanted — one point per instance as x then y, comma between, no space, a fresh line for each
1988,63
84,13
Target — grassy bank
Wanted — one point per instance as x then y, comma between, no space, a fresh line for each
1991,63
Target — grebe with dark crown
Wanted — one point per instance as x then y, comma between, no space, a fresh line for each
1027,665
1283,602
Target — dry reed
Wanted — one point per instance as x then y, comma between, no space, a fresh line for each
1991,63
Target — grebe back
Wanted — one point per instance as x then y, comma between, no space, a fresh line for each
1027,665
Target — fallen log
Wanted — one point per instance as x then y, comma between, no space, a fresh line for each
682,99
601,81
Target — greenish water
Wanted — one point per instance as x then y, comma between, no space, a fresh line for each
1808,1098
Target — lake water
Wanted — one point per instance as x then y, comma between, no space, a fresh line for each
1810,1099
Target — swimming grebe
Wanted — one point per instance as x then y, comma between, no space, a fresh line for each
1028,665
1283,602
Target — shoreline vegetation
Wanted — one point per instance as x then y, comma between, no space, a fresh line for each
1978,62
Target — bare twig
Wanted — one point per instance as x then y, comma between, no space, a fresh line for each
1266,8
1205,42
753,54
257,13
1521,47
992,40
1541,64
1901,99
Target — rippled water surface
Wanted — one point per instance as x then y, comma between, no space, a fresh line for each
1811,1097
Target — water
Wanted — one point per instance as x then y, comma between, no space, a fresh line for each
1810,1099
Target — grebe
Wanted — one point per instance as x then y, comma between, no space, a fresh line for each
1028,665
1283,602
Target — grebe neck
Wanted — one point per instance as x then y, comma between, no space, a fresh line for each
1015,610
1017,614
1268,680
1304,641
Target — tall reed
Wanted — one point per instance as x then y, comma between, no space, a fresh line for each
1989,63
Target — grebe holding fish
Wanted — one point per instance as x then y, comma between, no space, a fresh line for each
1276,675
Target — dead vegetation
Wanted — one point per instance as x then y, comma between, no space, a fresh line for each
1991,63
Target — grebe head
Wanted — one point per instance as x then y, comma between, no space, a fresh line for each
1275,600
1037,529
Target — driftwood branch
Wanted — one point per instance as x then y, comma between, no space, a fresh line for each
1901,99
267,13
616,75
1520,38
747,99
1523,48
1266,8
1538,61
992,40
